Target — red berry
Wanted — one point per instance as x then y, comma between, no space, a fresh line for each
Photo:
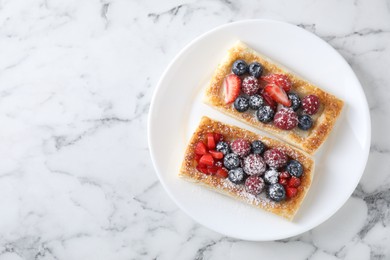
286,119
284,182
218,137
200,148
291,192
207,159
219,164
254,184
277,94
270,102
210,141
250,85
231,88
294,182
254,164
216,155
202,169
280,80
284,175
241,147
222,173
310,104
212,169
275,158
197,157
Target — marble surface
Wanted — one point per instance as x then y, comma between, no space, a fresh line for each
76,80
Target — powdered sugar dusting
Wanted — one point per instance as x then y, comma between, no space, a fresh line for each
254,164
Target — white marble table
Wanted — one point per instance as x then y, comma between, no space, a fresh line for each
76,179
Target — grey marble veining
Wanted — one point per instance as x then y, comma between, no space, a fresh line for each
76,80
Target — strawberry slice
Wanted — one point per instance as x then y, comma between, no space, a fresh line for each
202,169
282,181
207,159
218,137
212,169
270,102
200,148
231,88
216,155
222,173
280,80
277,94
197,157
294,182
291,192
210,141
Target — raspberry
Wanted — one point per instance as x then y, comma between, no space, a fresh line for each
275,158
254,184
253,164
286,119
241,147
250,85
310,104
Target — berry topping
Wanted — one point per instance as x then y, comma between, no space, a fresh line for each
231,161
223,147
310,104
255,69
258,147
275,158
284,175
295,101
239,67
256,101
241,147
237,176
250,85
231,88
305,122
218,137
294,182
241,104
291,192
286,119
206,159
219,164
276,192
216,155
277,94
200,148
294,168
210,141
269,101
212,170
222,173
265,114
284,182
253,164
278,79
254,185
202,169
271,176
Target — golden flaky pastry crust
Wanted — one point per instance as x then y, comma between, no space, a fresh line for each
324,120
287,208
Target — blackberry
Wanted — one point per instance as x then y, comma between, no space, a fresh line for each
223,147
276,192
294,168
231,161
237,175
255,102
255,69
265,114
305,122
241,104
258,147
239,67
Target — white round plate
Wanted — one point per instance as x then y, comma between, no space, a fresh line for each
177,107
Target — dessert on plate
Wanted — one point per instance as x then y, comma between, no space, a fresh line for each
262,93
255,169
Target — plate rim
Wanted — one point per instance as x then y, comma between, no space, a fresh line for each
194,42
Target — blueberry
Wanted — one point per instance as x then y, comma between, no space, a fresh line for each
241,104
237,176
239,67
255,69
295,101
258,147
231,161
305,122
223,147
276,192
271,176
265,114
294,168
256,101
